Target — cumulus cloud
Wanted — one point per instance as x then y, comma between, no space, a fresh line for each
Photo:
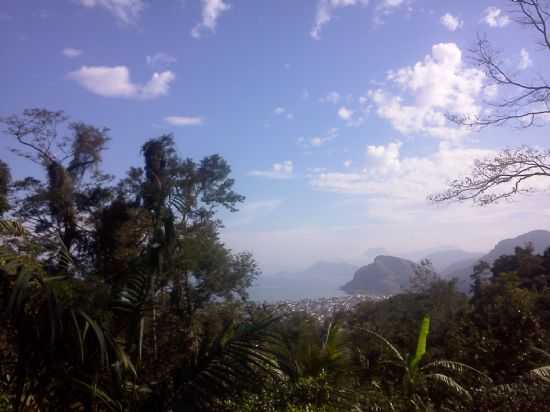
524,60
451,22
127,11
325,10
281,170
384,159
388,174
115,82
184,120
435,86
70,52
344,113
211,12
494,17
160,60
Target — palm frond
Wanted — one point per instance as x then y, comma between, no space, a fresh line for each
386,343
450,384
542,373
456,367
97,393
239,355
12,228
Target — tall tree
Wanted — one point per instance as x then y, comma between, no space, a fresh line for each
69,155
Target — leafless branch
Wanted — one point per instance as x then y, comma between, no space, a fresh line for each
500,177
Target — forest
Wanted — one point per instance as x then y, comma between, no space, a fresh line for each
118,295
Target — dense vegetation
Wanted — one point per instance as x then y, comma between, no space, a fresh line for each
120,296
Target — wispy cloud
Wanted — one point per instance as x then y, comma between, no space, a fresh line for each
71,53
211,12
283,170
451,22
115,82
184,120
524,60
494,17
325,10
318,141
127,11
281,111
160,60
331,97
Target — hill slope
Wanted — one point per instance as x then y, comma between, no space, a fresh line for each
540,239
386,275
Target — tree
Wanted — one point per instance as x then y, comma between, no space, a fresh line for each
524,101
69,155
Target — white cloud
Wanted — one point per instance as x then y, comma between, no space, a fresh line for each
211,12
331,97
495,18
318,141
385,159
490,91
451,22
127,11
115,82
160,60
386,7
325,10
438,85
392,3
344,113
184,120
281,170
279,111
71,53
524,60
389,175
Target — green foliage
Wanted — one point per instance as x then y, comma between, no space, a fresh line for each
122,297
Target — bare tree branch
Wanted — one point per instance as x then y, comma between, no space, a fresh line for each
500,177
524,102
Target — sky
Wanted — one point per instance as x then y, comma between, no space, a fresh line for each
331,113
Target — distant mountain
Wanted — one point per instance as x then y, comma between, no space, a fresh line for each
540,239
322,279
385,276
443,259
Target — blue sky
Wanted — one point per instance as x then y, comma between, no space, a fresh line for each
331,112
